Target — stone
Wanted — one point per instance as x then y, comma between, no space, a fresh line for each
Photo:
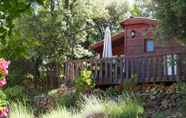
96,115
164,104
44,103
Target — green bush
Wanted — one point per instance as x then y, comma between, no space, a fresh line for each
181,95
160,115
15,93
111,92
68,100
84,82
181,87
3,99
124,109
129,85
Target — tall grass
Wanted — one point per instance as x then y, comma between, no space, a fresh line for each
91,105
61,113
123,108
18,110
88,105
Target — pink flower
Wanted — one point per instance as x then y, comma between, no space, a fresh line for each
2,82
4,67
3,73
4,112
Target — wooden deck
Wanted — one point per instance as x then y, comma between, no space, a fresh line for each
112,71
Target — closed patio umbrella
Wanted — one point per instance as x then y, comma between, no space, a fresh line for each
107,48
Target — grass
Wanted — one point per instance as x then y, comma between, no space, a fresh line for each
92,105
18,110
61,113
123,108
88,105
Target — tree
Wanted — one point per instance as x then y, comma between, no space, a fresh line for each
59,30
113,14
9,11
171,14
143,8
117,11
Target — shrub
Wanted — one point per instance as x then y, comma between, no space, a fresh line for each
3,100
124,109
84,82
160,115
68,100
181,87
111,92
181,97
15,93
129,85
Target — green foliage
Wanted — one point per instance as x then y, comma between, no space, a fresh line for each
54,31
181,101
9,11
61,113
144,8
129,85
15,93
160,115
85,81
181,87
111,92
16,47
135,11
117,12
124,109
172,12
3,99
68,100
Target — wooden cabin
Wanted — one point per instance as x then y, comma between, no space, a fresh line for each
137,50
139,37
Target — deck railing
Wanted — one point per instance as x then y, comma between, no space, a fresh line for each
109,71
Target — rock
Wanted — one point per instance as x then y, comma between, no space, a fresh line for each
159,98
44,103
152,97
63,90
96,115
164,104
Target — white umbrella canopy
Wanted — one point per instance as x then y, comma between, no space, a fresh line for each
107,48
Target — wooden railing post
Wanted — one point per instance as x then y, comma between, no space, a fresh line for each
111,71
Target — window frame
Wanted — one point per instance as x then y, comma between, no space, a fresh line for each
146,49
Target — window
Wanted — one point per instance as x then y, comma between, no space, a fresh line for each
133,34
149,45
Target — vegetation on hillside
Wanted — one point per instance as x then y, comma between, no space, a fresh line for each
35,34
